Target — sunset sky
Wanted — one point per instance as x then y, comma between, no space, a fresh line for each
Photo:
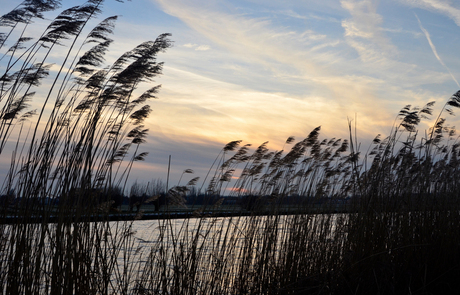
265,70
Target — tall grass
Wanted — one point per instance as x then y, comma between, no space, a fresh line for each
399,235
397,232
381,222
72,152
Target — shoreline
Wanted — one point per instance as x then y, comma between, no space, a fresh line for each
151,216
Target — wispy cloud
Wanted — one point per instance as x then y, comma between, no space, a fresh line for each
442,6
253,39
363,31
291,13
190,45
265,82
197,47
203,47
433,48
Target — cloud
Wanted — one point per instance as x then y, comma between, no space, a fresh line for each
291,13
251,38
444,7
433,48
363,31
352,30
197,47
311,35
265,82
209,110
203,48
190,45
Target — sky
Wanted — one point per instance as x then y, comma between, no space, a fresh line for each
265,70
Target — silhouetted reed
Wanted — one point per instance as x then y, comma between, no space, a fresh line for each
325,219
72,155
320,218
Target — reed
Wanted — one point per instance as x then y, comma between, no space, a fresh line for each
384,222
324,217
70,156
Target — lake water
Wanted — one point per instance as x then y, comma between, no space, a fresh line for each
210,245
151,254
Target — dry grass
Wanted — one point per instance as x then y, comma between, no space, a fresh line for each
399,234
77,148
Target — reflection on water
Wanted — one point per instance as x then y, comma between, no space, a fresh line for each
145,256
227,245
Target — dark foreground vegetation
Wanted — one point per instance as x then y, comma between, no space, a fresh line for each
70,160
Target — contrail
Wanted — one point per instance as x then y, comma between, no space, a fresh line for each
433,48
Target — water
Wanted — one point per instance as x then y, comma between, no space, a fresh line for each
153,255
229,245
